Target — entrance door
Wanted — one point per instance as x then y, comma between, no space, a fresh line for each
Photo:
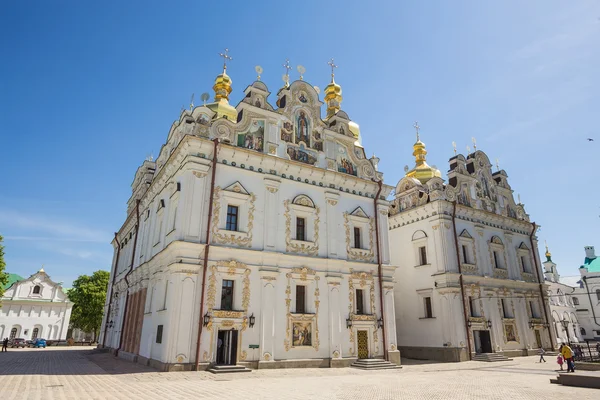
362,337
227,347
538,338
486,342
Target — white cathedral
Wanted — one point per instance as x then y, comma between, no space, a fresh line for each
261,237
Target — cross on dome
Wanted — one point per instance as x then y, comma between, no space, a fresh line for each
226,57
417,127
333,66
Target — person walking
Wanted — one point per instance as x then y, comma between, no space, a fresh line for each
542,352
5,344
567,354
560,361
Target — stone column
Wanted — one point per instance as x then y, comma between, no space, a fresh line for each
333,229
389,319
192,208
268,322
271,213
336,322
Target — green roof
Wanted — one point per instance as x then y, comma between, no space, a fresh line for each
12,278
592,264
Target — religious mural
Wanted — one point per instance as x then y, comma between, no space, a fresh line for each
302,334
287,130
303,129
254,138
302,97
203,119
509,331
302,154
343,161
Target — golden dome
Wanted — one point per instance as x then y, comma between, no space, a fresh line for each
221,106
422,171
548,254
333,97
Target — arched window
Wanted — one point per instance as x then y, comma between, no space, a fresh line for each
35,333
598,294
582,332
13,333
36,289
575,301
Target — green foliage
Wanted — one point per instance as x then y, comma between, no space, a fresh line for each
3,275
88,296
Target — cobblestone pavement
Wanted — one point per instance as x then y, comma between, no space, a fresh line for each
75,373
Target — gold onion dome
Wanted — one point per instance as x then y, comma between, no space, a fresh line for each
548,254
222,88
422,171
333,94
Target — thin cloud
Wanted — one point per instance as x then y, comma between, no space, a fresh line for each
51,239
58,229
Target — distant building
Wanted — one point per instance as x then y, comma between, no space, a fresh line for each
564,304
588,295
34,307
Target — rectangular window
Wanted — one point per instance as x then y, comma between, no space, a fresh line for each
427,304
232,218
533,311
159,331
227,295
471,306
423,255
465,254
496,263
300,229
166,292
357,238
504,309
524,263
300,299
360,305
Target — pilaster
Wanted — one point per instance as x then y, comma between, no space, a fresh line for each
333,230
271,213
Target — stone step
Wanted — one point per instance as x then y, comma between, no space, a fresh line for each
224,369
490,357
578,380
374,364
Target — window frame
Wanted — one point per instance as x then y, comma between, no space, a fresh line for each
357,237
423,256
428,307
39,290
359,301
236,216
227,292
301,229
301,299
159,333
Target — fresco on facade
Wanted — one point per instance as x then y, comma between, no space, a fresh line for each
287,132
343,161
302,154
253,138
302,334
203,119
302,129
510,333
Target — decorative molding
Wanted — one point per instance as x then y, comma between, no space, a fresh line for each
365,255
310,248
236,238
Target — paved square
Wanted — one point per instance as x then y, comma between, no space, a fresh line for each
77,373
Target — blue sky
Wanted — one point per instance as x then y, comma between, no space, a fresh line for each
89,89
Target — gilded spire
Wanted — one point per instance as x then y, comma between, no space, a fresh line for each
422,171
222,88
333,93
548,254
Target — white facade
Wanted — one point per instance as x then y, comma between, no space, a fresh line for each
35,307
588,296
565,305
284,171
466,278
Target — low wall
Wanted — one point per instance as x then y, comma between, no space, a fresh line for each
447,354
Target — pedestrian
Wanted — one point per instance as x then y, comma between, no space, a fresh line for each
559,361
567,354
542,352
5,344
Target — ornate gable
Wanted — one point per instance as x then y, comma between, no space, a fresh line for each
236,187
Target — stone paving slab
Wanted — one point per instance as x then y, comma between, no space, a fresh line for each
71,373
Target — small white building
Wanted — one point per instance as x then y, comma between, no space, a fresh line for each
565,305
588,296
35,307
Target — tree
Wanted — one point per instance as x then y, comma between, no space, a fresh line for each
88,296
3,275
